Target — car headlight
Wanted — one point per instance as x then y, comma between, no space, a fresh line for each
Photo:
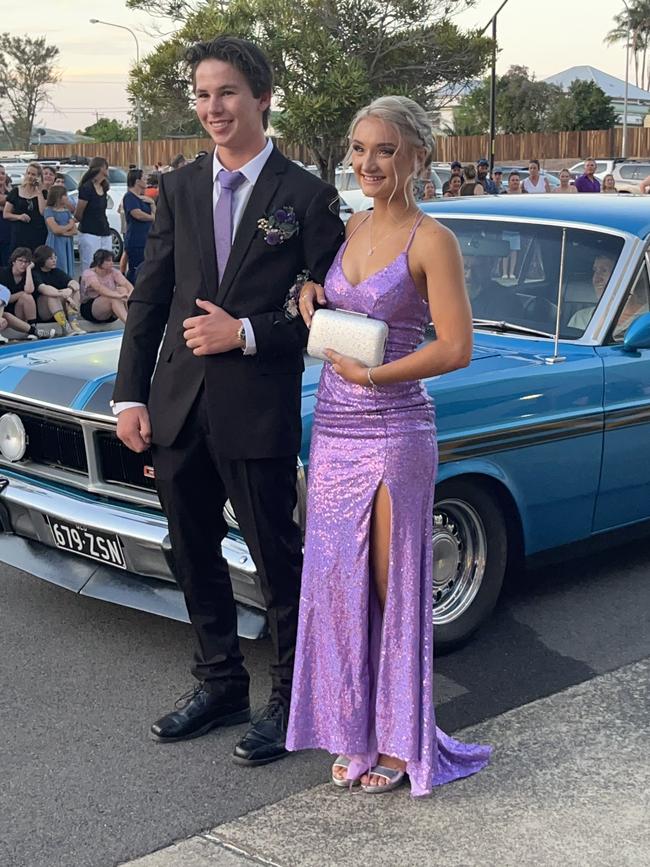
13,438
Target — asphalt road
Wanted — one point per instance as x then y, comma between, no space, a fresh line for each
81,681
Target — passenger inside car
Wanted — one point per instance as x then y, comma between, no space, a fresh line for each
602,268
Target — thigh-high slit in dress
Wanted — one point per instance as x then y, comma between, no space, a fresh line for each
362,681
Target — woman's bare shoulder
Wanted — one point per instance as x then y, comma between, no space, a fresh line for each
430,231
355,220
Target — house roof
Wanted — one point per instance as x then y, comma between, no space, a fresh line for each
613,87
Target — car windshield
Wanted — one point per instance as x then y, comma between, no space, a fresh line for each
512,273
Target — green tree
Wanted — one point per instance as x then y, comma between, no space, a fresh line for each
635,25
26,72
162,85
108,129
523,104
584,106
329,57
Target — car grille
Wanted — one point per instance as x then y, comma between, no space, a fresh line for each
55,443
120,465
84,452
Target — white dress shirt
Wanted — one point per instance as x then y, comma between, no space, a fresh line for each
241,195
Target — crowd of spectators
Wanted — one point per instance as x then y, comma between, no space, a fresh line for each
473,179
39,224
38,228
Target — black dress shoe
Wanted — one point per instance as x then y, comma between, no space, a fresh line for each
265,739
201,712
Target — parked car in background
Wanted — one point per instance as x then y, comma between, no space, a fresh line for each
628,175
542,438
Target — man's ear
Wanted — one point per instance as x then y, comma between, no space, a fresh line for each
265,100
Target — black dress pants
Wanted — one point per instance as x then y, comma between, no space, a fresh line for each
193,483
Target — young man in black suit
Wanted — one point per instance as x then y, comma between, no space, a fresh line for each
222,412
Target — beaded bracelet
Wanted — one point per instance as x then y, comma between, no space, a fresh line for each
371,381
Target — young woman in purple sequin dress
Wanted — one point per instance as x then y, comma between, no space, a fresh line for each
363,679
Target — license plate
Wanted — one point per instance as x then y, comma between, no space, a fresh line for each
103,547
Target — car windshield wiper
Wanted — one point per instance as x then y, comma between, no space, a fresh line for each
500,325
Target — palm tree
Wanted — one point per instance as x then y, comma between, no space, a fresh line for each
635,18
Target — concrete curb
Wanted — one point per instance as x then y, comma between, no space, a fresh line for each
569,783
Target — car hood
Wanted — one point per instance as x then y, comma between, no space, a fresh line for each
74,373
78,373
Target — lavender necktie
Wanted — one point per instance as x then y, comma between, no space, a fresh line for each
229,181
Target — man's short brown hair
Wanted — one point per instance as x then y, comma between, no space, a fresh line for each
245,56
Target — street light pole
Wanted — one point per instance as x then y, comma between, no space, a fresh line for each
493,85
627,79
138,108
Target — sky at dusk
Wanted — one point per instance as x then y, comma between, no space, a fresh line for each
94,61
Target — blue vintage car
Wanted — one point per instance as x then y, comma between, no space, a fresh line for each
542,438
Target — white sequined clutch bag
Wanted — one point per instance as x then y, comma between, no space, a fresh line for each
353,334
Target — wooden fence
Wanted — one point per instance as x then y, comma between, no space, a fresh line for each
125,153
571,146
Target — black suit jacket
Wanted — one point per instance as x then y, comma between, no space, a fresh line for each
253,401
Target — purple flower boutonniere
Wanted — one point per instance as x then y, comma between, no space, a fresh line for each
279,226
291,303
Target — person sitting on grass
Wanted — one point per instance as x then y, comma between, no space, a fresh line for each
57,294
104,290
20,309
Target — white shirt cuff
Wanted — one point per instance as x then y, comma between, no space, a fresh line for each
124,404
251,346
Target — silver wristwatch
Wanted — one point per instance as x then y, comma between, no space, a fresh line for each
241,336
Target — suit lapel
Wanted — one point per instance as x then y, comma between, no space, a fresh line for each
256,208
202,188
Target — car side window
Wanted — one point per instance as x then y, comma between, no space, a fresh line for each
637,301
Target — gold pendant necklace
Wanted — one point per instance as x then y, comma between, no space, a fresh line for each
372,247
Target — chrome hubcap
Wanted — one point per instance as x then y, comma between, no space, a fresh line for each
459,557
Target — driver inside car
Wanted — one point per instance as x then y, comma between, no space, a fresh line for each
489,298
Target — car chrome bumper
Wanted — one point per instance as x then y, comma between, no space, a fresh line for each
148,583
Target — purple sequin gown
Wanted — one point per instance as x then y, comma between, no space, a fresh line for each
361,688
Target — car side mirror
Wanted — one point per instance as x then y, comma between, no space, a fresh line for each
637,335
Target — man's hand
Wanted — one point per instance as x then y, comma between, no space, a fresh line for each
134,428
212,333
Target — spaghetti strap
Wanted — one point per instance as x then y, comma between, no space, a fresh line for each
418,220
358,226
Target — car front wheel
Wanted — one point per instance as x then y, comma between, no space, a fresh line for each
470,547
117,245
